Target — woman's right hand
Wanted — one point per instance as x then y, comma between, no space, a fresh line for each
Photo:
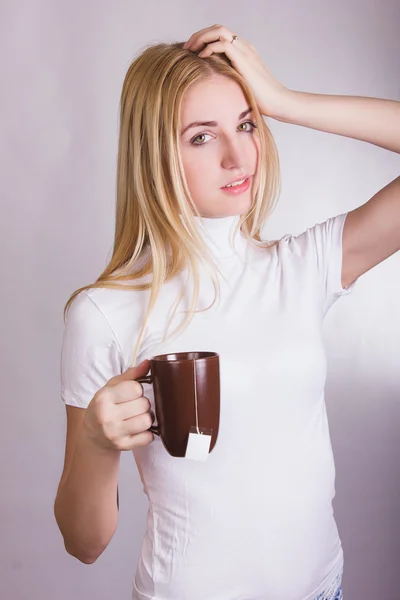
118,417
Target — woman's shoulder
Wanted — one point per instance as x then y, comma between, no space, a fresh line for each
106,301
105,318
314,239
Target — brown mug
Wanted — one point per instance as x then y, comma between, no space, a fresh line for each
186,395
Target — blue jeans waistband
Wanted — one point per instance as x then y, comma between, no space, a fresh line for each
334,592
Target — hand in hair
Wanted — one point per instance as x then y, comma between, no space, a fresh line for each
268,92
119,417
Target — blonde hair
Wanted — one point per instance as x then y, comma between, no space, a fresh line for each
156,237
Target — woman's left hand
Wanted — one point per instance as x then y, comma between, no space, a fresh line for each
270,95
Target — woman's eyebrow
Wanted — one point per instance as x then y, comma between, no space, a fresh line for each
214,123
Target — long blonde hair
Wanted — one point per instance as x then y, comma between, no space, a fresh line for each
156,237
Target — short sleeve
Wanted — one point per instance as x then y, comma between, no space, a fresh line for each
322,247
90,353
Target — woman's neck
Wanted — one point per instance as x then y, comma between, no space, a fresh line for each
222,235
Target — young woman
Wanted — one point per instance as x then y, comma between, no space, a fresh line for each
198,174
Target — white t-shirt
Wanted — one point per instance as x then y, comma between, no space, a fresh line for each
255,521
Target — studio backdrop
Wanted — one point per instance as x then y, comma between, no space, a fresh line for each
63,65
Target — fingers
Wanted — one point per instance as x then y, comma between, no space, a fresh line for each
127,410
118,422
219,47
195,40
142,439
215,33
119,415
205,36
136,425
129,442
127,391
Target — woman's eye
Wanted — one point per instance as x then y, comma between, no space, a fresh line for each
252,125
201,142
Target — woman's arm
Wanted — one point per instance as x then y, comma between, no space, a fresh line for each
117,418
86,504
372,231
370,120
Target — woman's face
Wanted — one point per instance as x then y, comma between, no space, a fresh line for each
219,145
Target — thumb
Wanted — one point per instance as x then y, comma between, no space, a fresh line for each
134,372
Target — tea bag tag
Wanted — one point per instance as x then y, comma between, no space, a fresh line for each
199,441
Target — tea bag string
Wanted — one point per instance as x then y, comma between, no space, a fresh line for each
195,397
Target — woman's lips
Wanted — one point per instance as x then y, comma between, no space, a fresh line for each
238,189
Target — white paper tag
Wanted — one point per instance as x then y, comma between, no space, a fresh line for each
198,445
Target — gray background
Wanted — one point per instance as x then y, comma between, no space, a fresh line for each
63,64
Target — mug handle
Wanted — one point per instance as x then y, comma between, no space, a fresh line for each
149,379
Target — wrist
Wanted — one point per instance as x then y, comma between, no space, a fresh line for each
283,109
89,441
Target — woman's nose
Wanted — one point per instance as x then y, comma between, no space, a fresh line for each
232,155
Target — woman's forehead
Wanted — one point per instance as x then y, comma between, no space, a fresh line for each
205,98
